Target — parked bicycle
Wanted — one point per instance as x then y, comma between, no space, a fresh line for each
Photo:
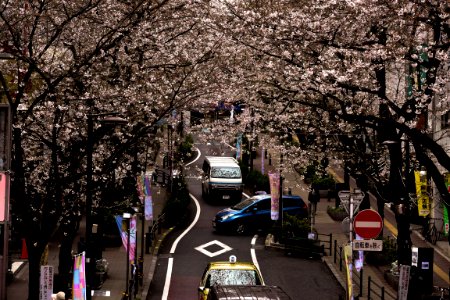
430,232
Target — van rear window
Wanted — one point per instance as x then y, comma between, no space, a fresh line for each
225,172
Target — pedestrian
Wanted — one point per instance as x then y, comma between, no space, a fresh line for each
313,198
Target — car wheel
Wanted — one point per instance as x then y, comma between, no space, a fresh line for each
241,229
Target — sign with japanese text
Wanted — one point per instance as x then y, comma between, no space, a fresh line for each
368,245
423,201
46,283
403,282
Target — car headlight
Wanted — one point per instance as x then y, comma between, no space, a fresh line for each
227,217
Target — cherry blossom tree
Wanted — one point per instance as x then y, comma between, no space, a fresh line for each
360,76
74,59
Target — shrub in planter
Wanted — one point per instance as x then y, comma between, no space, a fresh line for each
337,214
184,152
384,257
324,182
176,206
256,181
295,227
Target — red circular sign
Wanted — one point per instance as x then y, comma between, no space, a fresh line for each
368,224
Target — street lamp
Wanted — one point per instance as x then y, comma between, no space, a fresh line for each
109,118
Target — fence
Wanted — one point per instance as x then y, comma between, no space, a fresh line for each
154,230
373,289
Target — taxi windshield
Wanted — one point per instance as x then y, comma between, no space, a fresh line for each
233,277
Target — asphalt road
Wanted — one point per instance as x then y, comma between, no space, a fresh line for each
182,260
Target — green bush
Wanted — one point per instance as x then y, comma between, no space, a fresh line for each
184,152
176,206
256,181
324,182
385,257
337,214
295,227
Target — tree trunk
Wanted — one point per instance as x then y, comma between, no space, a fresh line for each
400,198
34,263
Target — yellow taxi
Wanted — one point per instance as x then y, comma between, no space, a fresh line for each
229,272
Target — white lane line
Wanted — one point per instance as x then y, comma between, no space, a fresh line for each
253,254
198,156
174,247
168,276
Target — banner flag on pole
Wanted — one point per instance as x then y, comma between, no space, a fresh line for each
274,179
124,235
238,146
148,208
79,277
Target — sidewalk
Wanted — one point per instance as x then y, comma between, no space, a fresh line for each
325,225
115,283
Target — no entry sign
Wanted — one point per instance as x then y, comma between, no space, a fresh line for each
368,224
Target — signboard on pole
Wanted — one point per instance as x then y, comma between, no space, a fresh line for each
367,245
46,283
403,282
368,224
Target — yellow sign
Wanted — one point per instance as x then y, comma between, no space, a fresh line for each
423,201
348,253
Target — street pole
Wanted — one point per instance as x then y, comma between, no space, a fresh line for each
90,259
89,262
280,204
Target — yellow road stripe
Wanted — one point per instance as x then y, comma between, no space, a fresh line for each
439,272
390,227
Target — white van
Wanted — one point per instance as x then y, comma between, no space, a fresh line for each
222,178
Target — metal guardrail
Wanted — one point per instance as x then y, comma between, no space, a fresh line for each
374,290
154,230
327,243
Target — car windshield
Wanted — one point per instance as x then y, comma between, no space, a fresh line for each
244,204
233,277
225,172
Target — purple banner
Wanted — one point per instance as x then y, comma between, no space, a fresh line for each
148,208
274,179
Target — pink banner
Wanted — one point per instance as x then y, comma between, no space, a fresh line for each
274,179
4,196
79,278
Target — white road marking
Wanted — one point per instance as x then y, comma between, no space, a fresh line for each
253,254
202,248
175,244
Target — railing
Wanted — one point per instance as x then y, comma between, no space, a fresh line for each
373,290
154,231
326,242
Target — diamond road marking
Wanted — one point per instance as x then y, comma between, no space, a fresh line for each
202,248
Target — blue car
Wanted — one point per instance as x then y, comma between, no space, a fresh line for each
253,214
